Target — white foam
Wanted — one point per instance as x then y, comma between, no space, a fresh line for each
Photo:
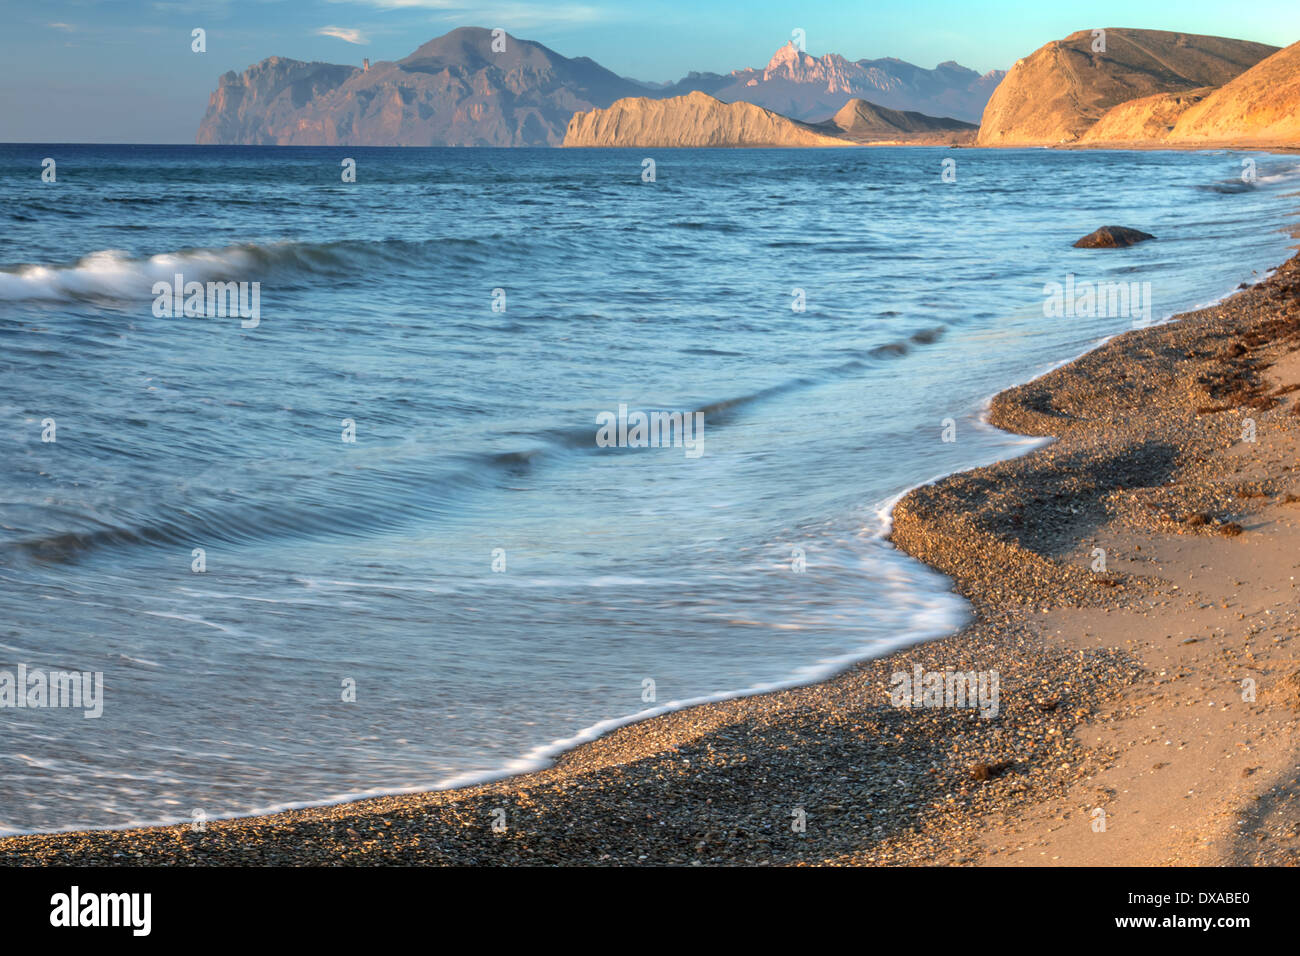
930,620
113,274
1281,176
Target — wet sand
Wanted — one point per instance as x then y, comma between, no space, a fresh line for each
1149,699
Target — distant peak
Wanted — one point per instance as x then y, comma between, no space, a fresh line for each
467,42
787,54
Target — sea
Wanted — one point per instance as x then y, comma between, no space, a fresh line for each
396,523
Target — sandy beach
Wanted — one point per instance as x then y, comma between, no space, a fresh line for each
1134,586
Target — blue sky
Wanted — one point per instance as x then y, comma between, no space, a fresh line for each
123,71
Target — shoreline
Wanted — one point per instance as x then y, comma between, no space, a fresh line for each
719,782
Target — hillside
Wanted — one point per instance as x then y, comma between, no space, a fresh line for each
1261,107
1144,121
1054,95
695,119
864,122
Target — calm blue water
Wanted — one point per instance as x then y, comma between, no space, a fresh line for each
372,561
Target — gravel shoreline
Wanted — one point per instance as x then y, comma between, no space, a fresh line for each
1148,430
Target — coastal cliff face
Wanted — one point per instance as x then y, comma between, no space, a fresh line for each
1056,94
257,106
453,91
696,119
1261,107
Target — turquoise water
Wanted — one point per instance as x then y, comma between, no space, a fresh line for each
331,564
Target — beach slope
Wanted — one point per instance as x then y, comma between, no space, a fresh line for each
1134,586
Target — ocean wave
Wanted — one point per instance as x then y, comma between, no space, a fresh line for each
115,274
1269,174
386,501
1228,188
340,506
1280,174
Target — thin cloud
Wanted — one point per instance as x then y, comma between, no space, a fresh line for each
62,26
343,33
523,15
218,9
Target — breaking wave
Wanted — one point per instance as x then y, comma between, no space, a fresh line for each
115,274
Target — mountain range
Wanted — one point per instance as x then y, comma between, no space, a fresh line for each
456,91
1117,87
813,89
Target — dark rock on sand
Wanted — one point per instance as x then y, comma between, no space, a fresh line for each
1113,237
987,771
